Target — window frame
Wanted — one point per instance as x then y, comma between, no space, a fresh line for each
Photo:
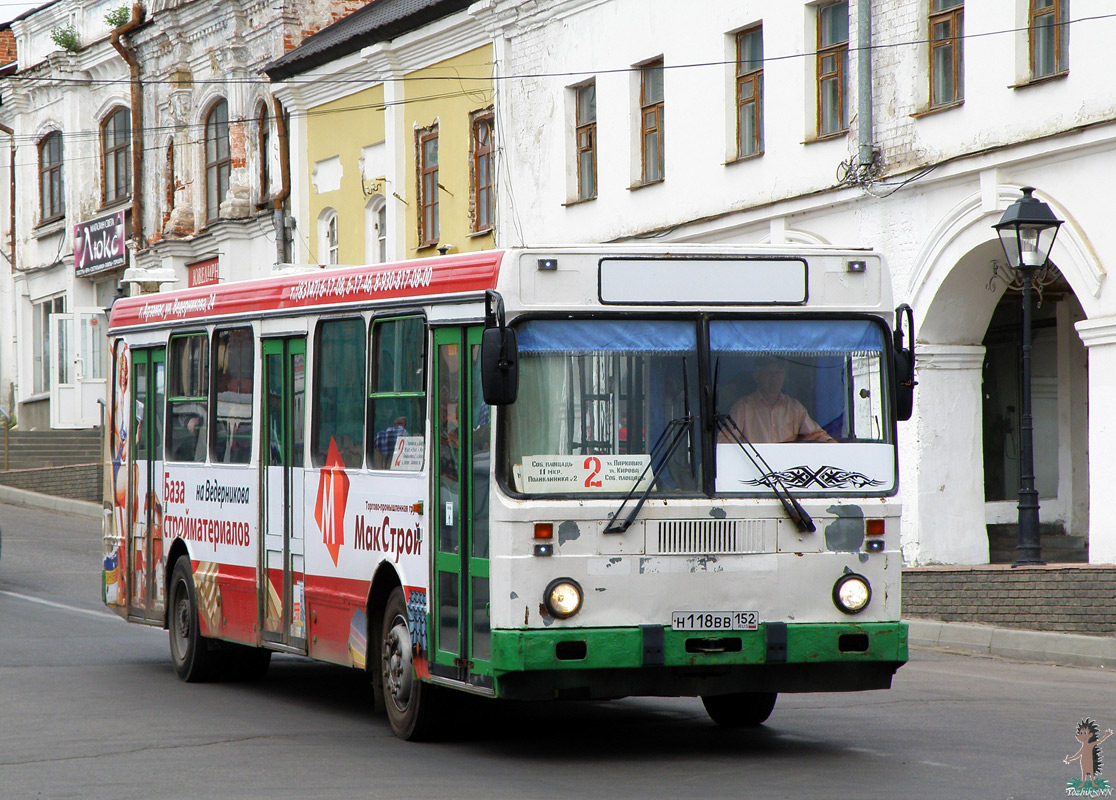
951,12
375,230
215,373
52,194
373,383
427,174
218,159
649,106
329,246
118,154
263,145
752,75
483,163
42,344
1058,29
585,141
173,399
838,50
317,392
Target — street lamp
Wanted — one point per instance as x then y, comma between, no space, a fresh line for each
1027,231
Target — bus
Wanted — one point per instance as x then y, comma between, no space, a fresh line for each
583,472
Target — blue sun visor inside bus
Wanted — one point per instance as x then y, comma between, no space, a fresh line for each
792,336
553,336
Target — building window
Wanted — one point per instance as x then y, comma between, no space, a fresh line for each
1049,37
218,161
41,340
832,67
263,129
375,230
947,84
168,185
327,237
749,92
585,130
483,173
651,121
52,205
427,141
116,140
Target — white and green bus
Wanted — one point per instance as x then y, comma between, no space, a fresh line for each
575,472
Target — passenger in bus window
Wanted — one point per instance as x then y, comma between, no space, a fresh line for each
385,441
769,415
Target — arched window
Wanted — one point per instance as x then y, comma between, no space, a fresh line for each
327,237
51,204
263,129
218,162
375,230
116,155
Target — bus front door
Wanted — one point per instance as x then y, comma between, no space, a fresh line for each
282,605
462,465
145,422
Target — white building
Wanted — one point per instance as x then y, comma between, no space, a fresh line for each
750,121
145,145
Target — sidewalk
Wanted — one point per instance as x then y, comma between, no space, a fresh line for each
1064,649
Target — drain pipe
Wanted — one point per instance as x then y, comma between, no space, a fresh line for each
865,156
282,236
11,197
137,119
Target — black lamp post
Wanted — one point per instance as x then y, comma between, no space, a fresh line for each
1027,231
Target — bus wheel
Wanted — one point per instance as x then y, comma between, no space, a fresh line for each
409,702
193,659
743,710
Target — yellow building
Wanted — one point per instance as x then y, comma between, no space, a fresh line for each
392,145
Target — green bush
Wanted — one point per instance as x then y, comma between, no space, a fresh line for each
118,16
66,37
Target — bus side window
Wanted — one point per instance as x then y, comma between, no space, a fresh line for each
234,396
188,397
338,392
397,394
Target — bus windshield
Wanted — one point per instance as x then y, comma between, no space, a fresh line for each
595,399
801,401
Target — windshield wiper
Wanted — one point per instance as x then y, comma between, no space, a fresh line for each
676,429
768,476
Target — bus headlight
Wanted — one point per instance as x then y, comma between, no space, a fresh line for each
562,598
852,593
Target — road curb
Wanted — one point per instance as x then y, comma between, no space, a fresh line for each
1066,649
25,498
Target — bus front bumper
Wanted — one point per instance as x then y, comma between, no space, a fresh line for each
598,663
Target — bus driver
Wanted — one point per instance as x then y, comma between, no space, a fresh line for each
768,415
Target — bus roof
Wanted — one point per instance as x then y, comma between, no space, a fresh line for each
425,278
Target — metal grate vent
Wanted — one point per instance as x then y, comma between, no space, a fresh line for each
713,537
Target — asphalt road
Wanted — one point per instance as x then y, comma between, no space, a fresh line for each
90,708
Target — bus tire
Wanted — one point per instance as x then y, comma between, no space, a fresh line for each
411,704
741,710
193,658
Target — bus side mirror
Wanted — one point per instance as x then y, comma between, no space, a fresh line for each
499,356
499,366
904,364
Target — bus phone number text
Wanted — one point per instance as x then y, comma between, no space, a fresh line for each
714,620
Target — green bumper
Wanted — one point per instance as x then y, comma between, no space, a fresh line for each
516,651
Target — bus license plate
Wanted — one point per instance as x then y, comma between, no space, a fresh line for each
714,620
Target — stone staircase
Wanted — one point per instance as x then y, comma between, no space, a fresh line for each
1058,547
63,463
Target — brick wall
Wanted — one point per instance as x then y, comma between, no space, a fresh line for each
7,47
76,481
1061,598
